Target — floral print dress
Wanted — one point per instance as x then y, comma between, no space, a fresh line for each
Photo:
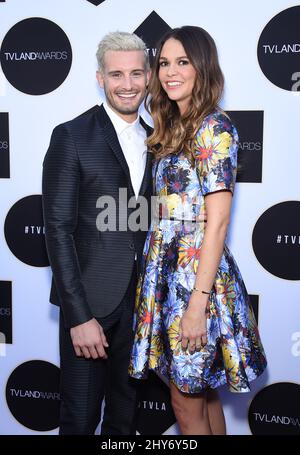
172,252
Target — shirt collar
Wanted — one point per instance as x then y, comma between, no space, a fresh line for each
119,124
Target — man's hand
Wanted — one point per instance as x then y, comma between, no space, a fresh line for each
89,340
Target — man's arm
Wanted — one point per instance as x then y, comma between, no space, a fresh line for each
60,206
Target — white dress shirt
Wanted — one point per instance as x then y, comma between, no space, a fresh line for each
132,138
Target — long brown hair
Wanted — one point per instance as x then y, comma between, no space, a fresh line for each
173,132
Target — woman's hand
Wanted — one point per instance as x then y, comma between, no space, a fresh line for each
193,331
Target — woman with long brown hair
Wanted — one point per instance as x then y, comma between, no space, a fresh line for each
195,323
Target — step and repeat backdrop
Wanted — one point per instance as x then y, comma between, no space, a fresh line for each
47,76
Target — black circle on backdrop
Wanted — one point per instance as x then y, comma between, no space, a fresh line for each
278,49
276,240
24,231
32,395
36,56
275,410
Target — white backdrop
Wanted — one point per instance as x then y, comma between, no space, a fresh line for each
236,27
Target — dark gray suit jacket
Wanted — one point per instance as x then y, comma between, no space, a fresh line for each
91,269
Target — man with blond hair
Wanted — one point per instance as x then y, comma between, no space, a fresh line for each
95,270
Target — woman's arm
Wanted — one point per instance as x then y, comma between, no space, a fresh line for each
193,323
216,146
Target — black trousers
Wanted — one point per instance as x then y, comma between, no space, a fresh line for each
85,382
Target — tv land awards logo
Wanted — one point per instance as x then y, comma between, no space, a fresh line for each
249,125
276,240
279,49
275,410
6,312
155,413
4,146
32,395
25,232
150,31
36,56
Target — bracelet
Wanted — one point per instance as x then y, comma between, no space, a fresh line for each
203,292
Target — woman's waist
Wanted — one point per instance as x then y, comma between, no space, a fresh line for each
179,208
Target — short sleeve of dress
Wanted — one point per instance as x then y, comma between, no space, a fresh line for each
215,152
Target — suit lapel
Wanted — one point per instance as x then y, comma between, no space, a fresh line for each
111,138
148,168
